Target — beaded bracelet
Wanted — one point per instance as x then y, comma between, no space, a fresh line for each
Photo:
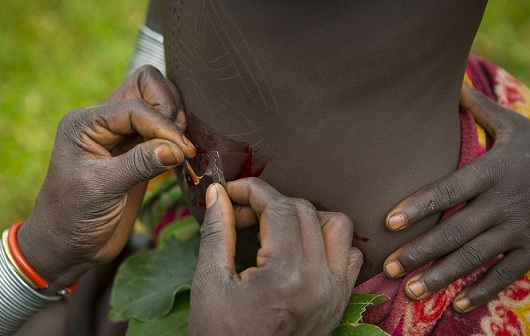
21,266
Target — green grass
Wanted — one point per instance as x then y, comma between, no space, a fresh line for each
504,36
56,56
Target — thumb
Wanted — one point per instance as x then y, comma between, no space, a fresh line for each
218,234
144,162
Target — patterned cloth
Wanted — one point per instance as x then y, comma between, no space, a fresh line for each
507,314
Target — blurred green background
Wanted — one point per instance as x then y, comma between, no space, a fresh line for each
56,56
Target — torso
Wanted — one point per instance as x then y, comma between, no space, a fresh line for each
351,105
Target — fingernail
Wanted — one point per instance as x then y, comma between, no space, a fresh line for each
397,221
211,195
417,288
462,304
165,155
393,269
188,142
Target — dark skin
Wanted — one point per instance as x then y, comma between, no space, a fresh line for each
89,142
317,131
493,214
493,175
366,103
114,149
297,243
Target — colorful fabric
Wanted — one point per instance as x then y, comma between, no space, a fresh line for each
163,205
507,314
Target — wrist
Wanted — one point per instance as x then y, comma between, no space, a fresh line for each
47,259
18,301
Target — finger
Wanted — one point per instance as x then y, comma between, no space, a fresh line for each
337,233
279,228
107,124
180,120
311,232
149,84
460,186
505,272
463,261
140,164
218,234
493,117
355,262
245,217
442,239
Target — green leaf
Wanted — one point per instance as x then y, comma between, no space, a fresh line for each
183,229
359,330
351,323
146,284
173,324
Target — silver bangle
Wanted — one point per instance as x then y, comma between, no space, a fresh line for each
18,301
149,49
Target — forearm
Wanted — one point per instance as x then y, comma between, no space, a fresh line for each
152,19
149,47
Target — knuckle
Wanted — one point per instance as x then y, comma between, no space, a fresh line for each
257,186
138,105
424,207
283,208
70,116
275,200
515,230
210,227
304,206
514,201
446,193
73,120
140,165
503,275
303,203
293,282
256,182
451,236
148,69
147,73
342,221
338,223
473,255
522,228
414,257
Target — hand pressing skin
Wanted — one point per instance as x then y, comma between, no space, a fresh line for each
102,157
494,221
305,271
